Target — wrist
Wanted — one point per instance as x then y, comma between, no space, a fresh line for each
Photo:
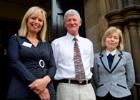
47,79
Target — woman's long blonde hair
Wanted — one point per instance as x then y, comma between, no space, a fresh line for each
23,29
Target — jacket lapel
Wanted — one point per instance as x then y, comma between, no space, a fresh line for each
104,61
117,59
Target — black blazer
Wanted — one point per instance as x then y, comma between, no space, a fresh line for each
28,64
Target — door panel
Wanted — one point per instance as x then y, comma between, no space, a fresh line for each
7,28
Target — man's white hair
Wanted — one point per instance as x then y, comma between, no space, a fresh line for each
72,12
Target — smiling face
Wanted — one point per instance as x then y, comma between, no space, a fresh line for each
112,41
35,22
72,24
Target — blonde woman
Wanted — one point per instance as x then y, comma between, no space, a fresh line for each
31,59
113,68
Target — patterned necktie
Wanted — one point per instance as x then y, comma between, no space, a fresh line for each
79,69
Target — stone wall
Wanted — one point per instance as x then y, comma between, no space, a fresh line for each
95,21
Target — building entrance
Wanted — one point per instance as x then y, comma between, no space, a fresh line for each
12,12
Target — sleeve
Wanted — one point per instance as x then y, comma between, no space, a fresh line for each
92,56
130,74
54,52
52,66
96,71
14,61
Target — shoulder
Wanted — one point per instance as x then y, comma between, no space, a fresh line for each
86,40
14,40
125,53
97,54
13,37
58,40
47,44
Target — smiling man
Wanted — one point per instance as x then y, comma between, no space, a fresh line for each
74,60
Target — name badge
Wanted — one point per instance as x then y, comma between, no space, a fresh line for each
26,44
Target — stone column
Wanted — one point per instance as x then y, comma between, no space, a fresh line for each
135,51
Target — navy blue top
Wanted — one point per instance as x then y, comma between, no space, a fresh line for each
29,63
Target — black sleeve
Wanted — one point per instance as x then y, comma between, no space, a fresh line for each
51,64
14,61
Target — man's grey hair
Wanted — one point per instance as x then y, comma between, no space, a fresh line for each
72,12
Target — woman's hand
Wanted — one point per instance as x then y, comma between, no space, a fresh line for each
44,95
40,85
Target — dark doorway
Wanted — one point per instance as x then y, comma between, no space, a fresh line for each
7,28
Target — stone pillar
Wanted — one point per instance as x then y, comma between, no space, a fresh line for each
139,30
127,44
135,51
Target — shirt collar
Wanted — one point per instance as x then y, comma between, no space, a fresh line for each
71,36
112,52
